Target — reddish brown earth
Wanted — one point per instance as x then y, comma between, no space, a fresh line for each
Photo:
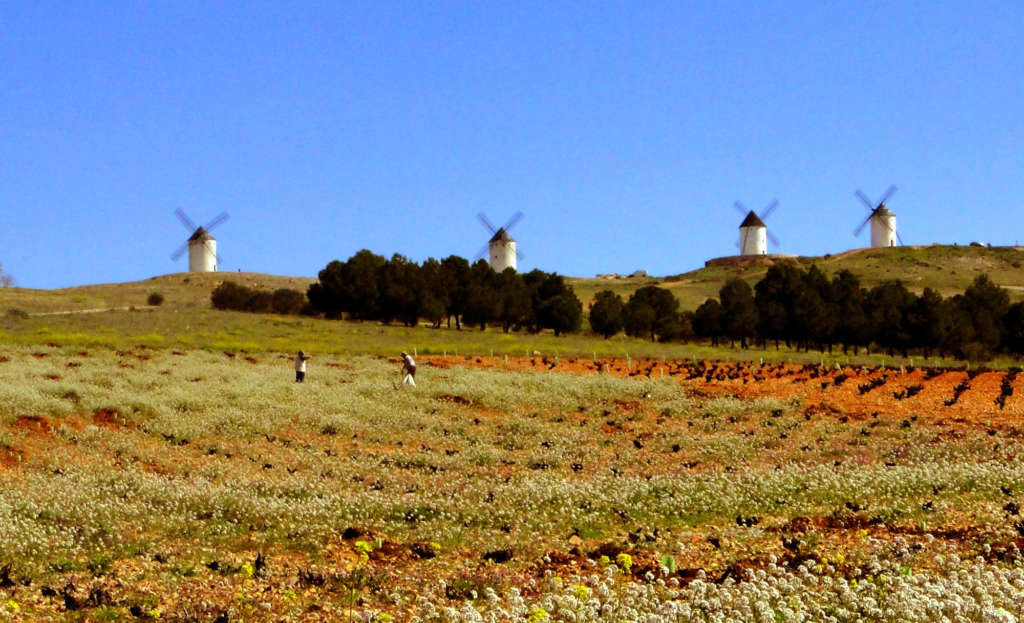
977,396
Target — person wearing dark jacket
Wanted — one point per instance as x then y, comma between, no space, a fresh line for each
300,366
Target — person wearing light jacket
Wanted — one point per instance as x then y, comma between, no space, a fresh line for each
409,367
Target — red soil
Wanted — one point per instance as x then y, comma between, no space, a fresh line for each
990,398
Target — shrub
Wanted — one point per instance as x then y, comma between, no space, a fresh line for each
155,299
287,301
230,295
17,314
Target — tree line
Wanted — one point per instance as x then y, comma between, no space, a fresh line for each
806,309
371,287
802,308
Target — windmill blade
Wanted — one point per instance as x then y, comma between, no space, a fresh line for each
519,255
181,249
482,252
774,240
743,238
857,231
898,239
185,220
865,200
888,193
768,211
217,220
518,216
740,208
487,224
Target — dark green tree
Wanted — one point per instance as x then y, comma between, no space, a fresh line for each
399,288
482,302
514,300
349,287
776,296
663,309
607,313
852,327
563,313
708,320
454,279
887,306
1013,329
739,312
928,322
985,304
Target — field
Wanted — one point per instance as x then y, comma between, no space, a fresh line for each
192,484
159,463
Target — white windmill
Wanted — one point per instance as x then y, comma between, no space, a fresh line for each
883,221
754,234
501,248
201,246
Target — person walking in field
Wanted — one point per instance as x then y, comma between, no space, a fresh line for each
409,367
300,366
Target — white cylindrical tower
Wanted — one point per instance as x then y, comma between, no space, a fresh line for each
753,236
202,252
502,251
883,228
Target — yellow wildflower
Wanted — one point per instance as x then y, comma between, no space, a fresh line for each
538,615
582,592
13,605
625,561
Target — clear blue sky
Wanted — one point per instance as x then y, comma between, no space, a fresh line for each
623,130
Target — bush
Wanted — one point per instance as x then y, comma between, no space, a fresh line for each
155,299
287,301
230,295
259,301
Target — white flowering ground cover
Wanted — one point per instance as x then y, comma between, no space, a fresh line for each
197,486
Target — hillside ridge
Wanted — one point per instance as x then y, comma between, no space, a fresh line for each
945,268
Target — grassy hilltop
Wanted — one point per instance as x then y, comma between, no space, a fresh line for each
116,315
947,269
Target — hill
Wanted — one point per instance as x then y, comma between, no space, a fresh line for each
116,315
947,269
180,291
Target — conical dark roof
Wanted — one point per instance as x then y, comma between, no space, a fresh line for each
200,234
881,211
752,220
501,236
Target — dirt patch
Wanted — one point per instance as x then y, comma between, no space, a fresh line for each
992,399
33,424
110,418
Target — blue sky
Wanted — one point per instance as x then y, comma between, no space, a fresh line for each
624,131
